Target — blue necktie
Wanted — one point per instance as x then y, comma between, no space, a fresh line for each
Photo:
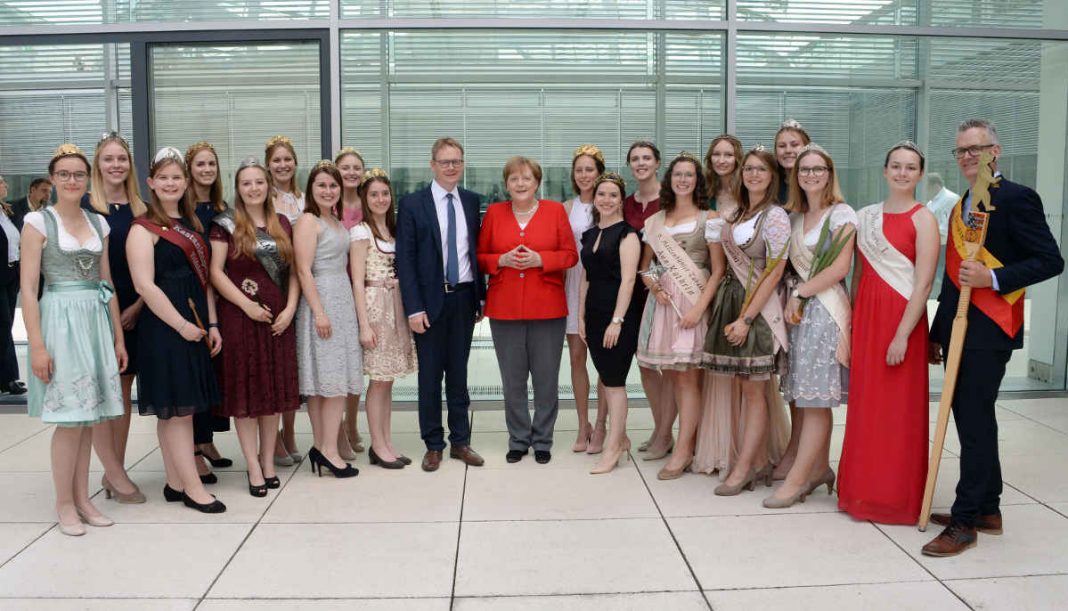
452,264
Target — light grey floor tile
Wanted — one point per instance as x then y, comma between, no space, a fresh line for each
790,550
18,428
555,494
675,601
124,561
342,561
1042,477
97,604
31,496
338,604
1020,438
1019,593
920,596
639,420
526,558
14,537
1034,542
376,495
494,445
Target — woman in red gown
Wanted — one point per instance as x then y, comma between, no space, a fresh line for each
884,458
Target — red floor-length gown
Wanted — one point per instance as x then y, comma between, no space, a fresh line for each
883,469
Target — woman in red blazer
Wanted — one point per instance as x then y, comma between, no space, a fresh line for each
525,246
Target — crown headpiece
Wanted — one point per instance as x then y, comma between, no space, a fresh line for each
687,156
347,150
758,148
812,146
275,140
611,177
589,149
791,124
196,147
910,145
250,162
67,150
168,153
373,173
325,164
109,136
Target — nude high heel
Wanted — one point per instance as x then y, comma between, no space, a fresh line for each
827,478
747,484
609,461
596,445
583,440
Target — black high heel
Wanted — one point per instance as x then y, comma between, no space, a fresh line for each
215,506
210,478
314,455
339,472
273,482
171,495
259,491
219,463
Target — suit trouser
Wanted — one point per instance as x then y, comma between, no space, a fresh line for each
979,487
443,350
529,348
9,294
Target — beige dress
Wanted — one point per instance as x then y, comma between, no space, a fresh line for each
393,355
720,434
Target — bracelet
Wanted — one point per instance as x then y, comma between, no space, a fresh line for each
213,325
182,328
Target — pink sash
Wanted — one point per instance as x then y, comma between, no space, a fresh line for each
741,264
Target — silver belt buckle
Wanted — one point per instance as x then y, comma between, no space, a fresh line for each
449,289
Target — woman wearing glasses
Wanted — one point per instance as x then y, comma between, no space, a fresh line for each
76,342
746,335
884,456
818,312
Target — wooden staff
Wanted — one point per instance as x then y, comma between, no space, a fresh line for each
974,237
193,306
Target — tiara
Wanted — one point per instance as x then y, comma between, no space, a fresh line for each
812,146
613,178
275,140
910,145
373,173
250,162
758,148
591,150
791,124
325,164
347,150
112,135
168,152
196,147
67,150
685,155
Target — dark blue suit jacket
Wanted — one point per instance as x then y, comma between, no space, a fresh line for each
1019,237
7,274
420,262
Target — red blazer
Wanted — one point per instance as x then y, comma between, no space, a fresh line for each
530,294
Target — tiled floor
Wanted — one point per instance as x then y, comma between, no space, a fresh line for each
522,536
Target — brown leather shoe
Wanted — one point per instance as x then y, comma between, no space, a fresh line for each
952,541
988,525
431,460
466,454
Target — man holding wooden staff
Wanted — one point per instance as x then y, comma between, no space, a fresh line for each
1019,251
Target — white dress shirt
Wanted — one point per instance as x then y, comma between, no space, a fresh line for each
462,248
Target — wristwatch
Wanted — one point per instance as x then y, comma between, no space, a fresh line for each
795,294
748,321
617,320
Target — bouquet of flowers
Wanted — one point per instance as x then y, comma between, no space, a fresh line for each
826,253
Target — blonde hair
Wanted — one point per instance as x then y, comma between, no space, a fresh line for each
245,229
272,145
97,192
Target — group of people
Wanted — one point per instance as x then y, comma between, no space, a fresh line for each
724,280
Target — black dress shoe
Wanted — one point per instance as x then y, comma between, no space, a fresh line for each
542,456
171,495
210,478
273,482
515,455
215,506
14,387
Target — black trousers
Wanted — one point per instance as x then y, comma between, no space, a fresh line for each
443,350
979,488
9,294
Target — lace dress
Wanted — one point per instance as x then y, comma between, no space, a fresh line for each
393,355
331,367
76,328
257,373
816,378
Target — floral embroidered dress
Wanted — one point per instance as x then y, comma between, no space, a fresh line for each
76,327
393,355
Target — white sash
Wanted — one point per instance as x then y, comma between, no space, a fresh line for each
893,267
833,298
689,278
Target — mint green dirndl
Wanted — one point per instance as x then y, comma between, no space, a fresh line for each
76,328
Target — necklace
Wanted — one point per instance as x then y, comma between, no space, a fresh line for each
532,210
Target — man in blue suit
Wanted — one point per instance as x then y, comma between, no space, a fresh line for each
1019,251
442,290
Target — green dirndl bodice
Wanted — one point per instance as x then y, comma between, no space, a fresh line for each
76,328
